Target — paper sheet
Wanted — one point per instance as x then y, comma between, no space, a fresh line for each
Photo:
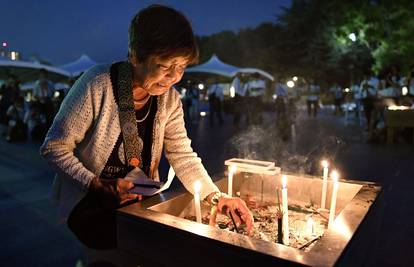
149,187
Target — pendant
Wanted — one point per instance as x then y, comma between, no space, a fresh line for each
140,146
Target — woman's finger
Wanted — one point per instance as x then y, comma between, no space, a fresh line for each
247,217
238,210
129,185
236,217
124,185
128,197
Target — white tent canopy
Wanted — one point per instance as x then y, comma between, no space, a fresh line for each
29,71
78,66
31,85
215,66
254,70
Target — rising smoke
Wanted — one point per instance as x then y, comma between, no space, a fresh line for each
272,141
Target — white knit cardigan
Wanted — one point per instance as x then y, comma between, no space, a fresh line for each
87,126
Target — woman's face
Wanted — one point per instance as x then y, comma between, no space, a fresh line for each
158,75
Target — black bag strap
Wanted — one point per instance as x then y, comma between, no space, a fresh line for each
132,143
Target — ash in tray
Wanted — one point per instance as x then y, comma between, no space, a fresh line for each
306,224
302,234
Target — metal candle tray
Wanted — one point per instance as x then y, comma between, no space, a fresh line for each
156,229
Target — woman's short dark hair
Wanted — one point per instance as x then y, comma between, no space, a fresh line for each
162,32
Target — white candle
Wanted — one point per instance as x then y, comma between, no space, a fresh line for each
197,187
293,130
335,177
285,218
309,227
232,170
325,166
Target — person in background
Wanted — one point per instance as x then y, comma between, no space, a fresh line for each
410,84
122,116
17,130
283,119
42,93
194,94
215,98
395,81
36,122
281,92
357,98
313,98
387,91
369,89
9,93
239,92
254,88
410,81
338,96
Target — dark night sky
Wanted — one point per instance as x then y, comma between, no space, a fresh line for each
60,31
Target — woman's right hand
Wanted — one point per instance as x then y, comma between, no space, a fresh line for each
113,192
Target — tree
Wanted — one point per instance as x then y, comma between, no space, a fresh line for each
328,40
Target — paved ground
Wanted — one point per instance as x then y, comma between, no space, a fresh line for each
30,236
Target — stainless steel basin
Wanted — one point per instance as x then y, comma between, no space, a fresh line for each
156,228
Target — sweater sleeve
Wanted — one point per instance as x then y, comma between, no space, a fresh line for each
185,162
72,121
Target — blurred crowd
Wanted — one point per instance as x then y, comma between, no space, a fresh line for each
368,98
27,114
242,98
246,97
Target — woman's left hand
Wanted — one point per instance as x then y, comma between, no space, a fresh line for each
238,209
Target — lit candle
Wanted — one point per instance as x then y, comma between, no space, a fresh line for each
325,166
285,218
335,177
309,227
197,187
232,170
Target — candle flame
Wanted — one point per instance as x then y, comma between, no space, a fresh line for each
335,175
284,181
197,187
232,168
325,163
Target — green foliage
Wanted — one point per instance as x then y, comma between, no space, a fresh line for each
311,39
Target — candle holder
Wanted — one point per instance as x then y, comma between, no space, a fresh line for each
348,242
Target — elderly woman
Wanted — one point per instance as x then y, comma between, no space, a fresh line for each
120,116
